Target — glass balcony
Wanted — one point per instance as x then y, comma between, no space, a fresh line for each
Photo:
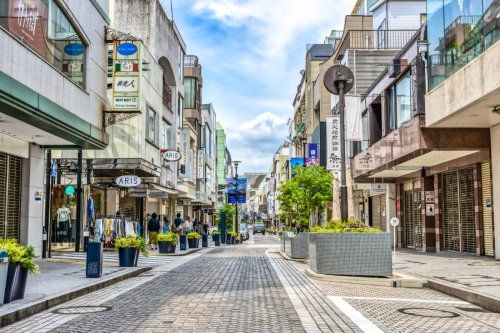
375,39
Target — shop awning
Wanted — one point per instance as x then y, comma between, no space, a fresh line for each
159,188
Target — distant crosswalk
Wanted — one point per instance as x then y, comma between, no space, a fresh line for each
151,261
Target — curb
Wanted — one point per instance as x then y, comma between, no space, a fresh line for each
402,280
287,257
485,301
180,254
51,301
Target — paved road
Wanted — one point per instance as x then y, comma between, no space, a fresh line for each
251,288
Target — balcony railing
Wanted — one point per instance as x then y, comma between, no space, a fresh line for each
191,61
376,39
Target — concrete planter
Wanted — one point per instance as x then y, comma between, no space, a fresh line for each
298,247
354,254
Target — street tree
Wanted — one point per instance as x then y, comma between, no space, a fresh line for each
306,193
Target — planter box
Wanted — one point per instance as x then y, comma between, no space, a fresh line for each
193,243
16,283
229,240
166,247
128,257
353,254
216,239
286,237
182,242
204,240
298,247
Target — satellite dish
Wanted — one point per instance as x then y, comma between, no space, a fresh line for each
336,74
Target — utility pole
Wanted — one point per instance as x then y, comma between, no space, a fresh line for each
339,80
236,225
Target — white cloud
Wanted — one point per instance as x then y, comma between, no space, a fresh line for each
252,52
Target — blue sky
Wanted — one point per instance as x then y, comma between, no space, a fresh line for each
252,52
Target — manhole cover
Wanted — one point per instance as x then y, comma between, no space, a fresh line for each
429,313
82,309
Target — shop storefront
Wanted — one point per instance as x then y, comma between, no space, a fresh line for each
10,195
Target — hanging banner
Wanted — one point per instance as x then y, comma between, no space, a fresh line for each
126,75
333,151
313,154
201,164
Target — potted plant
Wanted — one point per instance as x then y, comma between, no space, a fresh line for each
128,250
229,238
182,242
216,237
349,248
193,239
167,242
234,236
20,265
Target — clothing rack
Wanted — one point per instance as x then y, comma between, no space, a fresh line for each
107,229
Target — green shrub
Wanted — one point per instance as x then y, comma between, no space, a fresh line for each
193,235
22,255
233,234
169,237
133,243
349,226
215,233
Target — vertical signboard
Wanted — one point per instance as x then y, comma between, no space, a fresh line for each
201,164
313,155
241,190
28,21
231,191
126,75
333,151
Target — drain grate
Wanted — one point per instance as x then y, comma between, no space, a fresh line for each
428,313
82,309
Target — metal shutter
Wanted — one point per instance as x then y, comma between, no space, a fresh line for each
378,203
459,225
10,195
489,248
451,219
129,207
412,215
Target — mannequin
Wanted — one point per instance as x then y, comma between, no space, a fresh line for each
63,222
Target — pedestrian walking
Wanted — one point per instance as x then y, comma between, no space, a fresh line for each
205,228
178,223
166,225
188,225
154,230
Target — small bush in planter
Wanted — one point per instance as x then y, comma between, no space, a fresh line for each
20,264
193,239
128,250
216,237
167,242
349,226
234,236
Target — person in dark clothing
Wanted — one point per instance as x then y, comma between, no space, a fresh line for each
178,223
154,228
205,228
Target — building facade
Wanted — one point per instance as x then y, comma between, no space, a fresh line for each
52,95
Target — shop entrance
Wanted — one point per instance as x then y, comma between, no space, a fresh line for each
10,195
63,215
459,227
377,212
412,215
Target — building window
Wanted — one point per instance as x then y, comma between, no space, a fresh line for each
208,140
181,64
167,139
399,103
366,131
44,27
167,95
190,93
152,126
180,110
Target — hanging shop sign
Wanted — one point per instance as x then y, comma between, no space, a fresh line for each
137,192
74,49
201,164
69,190
128,181
313,155
171,155
127,73
333,151
378,189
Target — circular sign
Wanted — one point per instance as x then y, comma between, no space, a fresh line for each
69,190
172,155
126,49
394,222
74,49
128,181
334,75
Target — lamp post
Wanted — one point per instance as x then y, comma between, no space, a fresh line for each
304,143
236,226
339,81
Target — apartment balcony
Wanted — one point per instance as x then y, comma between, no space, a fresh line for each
370,40
192,67
412,147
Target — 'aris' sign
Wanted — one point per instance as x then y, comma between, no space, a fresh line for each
128,181
171,155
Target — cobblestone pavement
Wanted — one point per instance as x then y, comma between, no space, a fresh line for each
251,288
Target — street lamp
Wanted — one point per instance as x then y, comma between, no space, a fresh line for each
236,163
304,143
339,81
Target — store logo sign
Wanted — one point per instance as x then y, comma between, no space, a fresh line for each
74,49
128,181
127,49
172,155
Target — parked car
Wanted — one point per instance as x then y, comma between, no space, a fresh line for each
259,228
244,231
